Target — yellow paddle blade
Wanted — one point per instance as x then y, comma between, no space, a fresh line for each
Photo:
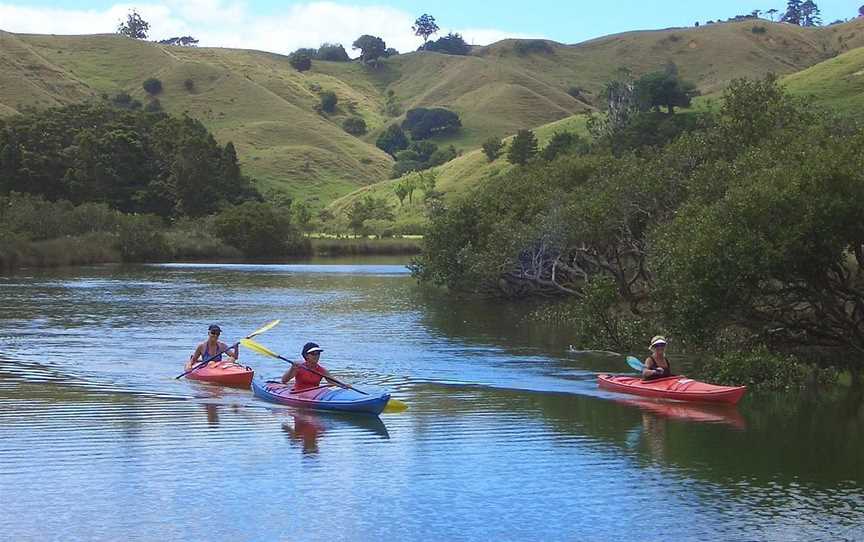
268,327
261,349
395,405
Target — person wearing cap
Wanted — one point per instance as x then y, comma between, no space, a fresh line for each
212,346
656,365
307,373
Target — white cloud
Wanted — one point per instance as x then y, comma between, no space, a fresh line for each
226,23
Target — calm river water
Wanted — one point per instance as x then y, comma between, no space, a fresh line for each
506,437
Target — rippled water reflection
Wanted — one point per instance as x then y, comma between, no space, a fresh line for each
506,437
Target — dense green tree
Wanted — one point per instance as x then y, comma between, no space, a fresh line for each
329,101
257,229
451,44
423,123
300,61
424,27
492,148
134,26
664,89
392,140
333,52
368,208
810,14
181,41
523,148
793,12
371,47
561,143
153,86
354,125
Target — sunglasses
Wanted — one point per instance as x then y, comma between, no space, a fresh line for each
217,333
316,354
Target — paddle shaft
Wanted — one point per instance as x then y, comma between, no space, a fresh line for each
330,378
207,360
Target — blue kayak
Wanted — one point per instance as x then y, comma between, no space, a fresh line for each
325,397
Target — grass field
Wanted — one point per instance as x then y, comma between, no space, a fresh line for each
256,100
837,83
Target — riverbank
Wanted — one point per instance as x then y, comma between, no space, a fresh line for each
100,248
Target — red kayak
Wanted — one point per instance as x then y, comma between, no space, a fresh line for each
225,373
679,388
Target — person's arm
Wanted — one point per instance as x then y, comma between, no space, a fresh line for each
651,368
194,357
289,374
329,378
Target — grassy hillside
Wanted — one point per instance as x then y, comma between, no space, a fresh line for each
837,83
455,177
266,108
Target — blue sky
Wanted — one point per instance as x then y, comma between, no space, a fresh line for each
281,26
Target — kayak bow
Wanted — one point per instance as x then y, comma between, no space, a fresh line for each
225,373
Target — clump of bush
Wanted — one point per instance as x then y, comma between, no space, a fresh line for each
328,101
354,125
527,47
762,369
300,61
451,44
153,86
189,85
759,30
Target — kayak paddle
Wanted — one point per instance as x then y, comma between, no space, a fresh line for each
263,350
635,364
204,362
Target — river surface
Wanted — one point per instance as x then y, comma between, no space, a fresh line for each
506,436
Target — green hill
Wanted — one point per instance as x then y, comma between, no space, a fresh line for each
837,83
266,108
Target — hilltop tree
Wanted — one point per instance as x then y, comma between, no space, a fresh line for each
371,47
523,148
810,14
180,41
861,11
793,12
771,13
300,61
451,44
333,52
424,27
134,27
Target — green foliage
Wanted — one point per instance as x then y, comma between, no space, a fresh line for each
152,86
300,61
142,238
392,107
523,148
528,47
328,101
371,48
153,106
367,209
423,123
354,125
334,52
492,148
124,100
392,140
451,44
759,29
561,143
760,369
258,230
189,85
134,162
134,27
664,89
442,156
425,26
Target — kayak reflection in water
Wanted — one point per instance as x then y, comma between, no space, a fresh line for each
302,372
305,431
656,365
212,346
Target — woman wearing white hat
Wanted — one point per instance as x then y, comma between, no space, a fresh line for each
656,365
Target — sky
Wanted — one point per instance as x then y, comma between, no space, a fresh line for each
282,26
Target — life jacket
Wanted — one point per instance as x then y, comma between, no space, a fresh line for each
304,378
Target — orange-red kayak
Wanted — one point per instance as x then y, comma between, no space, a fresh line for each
679,388
225,373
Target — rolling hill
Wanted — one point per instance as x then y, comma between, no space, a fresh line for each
256,100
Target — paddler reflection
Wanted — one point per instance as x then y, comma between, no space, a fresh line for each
305,430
